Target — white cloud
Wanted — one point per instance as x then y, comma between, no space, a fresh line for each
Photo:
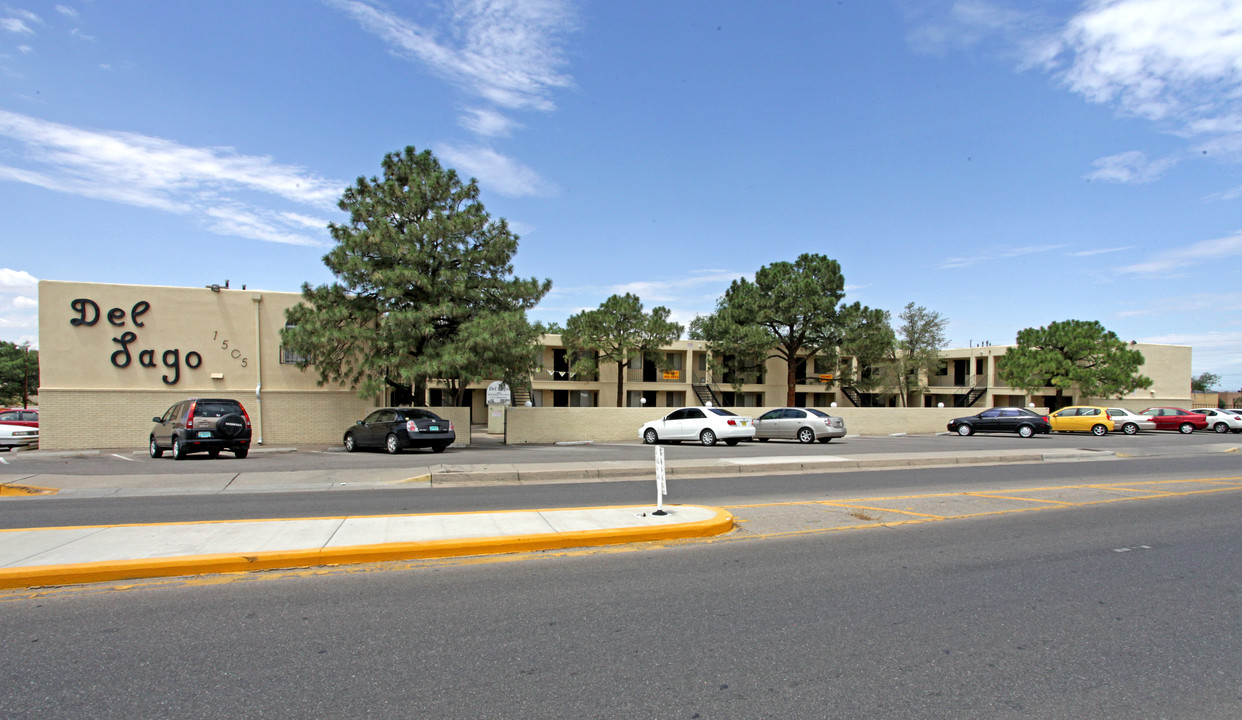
1198,253
152,172
247,223
1099,251
67,11
506,51
999,254
1130,168
1155,58
15,25
19,306
498,172
17,281
486,122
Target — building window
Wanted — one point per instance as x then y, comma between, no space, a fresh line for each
287,356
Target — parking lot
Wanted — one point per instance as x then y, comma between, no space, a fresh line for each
491,450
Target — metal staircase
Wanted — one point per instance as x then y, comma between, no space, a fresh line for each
970,397
705,390
852,393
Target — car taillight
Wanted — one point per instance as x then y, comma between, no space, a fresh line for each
450,426
245,415
410,426
189,419
732,422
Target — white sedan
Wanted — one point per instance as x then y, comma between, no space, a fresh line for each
1130,422
704,424
1220,420
13,436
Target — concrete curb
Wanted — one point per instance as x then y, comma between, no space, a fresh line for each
720,522
512,474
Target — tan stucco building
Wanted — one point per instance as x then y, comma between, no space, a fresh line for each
113,356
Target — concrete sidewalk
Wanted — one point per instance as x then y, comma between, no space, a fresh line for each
72,555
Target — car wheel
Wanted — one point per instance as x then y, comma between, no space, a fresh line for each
1185,428
762,439
241,453
1099,430
650,436
965,430
1221,428
439,447
1025,431
178,450
213,454
731,443
392,444
350,443
155,449
1129,429
806,435
707,437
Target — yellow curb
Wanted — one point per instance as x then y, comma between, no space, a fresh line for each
78,573
27,490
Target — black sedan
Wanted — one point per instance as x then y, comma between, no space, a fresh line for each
1002,419
395,429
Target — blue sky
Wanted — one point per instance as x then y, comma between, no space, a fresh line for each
1005,163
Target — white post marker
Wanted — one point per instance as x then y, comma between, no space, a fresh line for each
661,483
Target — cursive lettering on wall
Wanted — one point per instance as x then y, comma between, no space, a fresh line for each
87,314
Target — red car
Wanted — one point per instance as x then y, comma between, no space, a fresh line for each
20,416
1171,418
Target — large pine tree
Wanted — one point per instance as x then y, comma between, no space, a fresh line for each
424,291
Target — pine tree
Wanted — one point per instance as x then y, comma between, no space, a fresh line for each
424,291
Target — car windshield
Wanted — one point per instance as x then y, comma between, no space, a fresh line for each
722,411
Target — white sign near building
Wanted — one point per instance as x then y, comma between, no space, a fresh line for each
498,394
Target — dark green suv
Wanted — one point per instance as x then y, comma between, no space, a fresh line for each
202,425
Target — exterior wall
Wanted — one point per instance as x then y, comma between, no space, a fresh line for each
113,356
1167,365
135,350
549,425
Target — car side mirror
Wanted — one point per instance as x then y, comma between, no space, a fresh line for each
158,420
359,422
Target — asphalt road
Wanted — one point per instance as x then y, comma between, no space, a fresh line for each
1115,610
53,511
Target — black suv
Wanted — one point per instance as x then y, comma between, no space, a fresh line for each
202,425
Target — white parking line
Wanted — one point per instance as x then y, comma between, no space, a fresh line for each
2,460
123,458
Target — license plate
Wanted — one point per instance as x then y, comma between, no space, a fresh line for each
433,428
204,433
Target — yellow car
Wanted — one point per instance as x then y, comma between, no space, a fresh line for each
1082,418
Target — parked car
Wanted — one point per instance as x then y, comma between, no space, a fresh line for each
1172,418
1130,422
1082,418
1002,419
705,424
806,425
1220,420
20,416
201,425
15,436
395,429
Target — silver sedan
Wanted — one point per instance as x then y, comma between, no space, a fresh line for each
1130,422
802,424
